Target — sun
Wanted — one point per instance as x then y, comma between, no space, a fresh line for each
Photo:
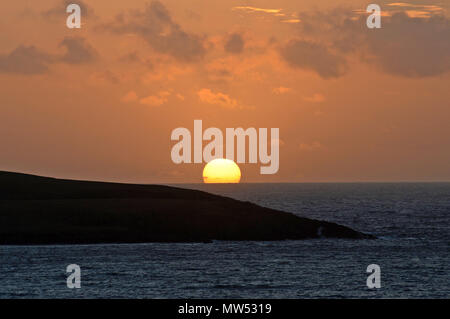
221,170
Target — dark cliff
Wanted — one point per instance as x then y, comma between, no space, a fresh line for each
41,210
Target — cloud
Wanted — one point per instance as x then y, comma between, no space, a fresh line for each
279,14
156,100
409,44
31,60
105,77
130,97
255,9
291,21
428,8
234,44
180,96
25,60
207,96
134,58
281,90
77,51
315,98
155,25
220,70
313,56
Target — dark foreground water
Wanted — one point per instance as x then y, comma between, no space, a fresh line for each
412,222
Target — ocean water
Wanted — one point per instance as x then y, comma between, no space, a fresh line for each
411,220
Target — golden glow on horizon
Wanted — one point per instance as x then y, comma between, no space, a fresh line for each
221,170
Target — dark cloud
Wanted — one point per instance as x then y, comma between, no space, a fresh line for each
313,56
134,58
411,47
339,27
106,76
405,45
155,25
234,44
78,51
25,60
31,60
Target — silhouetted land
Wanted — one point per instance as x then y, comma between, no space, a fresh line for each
41,210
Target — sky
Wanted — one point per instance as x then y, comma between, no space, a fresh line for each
351,103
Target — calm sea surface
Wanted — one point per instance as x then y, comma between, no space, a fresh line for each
412,221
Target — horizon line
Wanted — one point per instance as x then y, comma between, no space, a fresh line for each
250,182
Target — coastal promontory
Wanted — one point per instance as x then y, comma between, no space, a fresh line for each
42,210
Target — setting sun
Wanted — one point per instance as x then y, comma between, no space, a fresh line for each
221,170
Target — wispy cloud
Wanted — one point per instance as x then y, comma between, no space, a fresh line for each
255,9
411,10
430,7
130,97
156,100
180,97
291,21
279,14
217,98
281,90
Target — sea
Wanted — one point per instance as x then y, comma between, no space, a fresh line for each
412,249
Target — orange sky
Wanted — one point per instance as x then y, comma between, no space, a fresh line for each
100,102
